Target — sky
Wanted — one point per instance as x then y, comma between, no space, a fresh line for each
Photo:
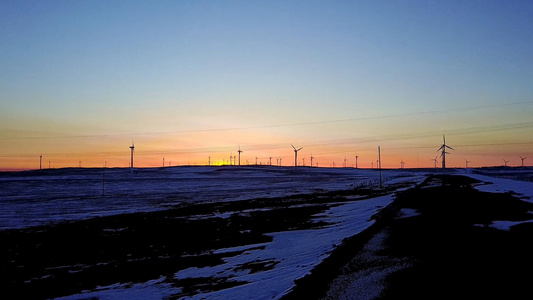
192,81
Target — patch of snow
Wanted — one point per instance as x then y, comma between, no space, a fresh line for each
506,225
408,213
501,185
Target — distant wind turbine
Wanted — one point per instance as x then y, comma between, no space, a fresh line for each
466,163
435,160
505,162
522,158
240,151
402,164
296,154
312,159
356,157
443,154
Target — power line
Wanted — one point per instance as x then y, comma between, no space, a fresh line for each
359,140
274,125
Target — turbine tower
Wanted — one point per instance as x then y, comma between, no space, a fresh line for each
443,154
240,151
466,162
312,159
522,158
505,163
296,155
356,157
132,147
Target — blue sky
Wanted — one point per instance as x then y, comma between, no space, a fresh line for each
130,67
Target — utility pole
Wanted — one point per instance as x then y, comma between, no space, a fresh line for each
103,179
379,159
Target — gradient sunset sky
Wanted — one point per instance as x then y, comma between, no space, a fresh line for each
188,80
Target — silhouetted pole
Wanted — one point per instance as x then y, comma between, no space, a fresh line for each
132,147
356,157
379,160
103,179
40,162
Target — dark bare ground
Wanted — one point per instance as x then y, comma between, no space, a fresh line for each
446,251
71,257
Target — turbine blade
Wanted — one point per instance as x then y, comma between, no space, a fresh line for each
293,147
300,149
449,147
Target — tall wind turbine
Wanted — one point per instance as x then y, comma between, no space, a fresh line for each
401,164
505,162
312,159
132,147
356,157
240,151
522,158
296,155
466,163
443,154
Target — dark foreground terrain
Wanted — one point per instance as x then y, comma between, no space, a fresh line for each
433,241
445,248
71,257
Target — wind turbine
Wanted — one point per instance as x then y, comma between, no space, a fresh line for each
435,160
132,147
443,154
296,155
505,162
345,160
240,151
466,162
402,163
522,158
356,157
312,159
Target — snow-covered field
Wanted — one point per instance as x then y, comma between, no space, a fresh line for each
40,197
43,197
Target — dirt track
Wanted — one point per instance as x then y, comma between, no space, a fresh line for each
444,249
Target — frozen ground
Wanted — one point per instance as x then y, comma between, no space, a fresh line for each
37,198
40,197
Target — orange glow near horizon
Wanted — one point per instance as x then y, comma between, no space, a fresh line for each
149,152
